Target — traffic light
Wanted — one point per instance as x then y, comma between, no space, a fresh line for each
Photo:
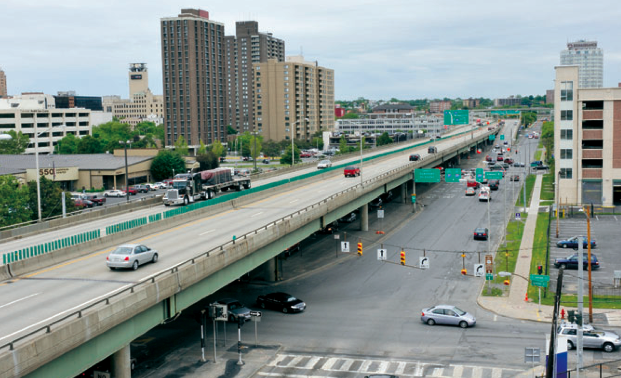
359,249
571,316
464,271
506,282
539,269
402,257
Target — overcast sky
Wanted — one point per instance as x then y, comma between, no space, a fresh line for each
379,49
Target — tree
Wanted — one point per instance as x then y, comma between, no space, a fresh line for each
165,163
68,145
51,199
218,149
230,130
181,146
317,143
146,127
208,160
343,147
384,139
286,157
271,148
255,146
89,145
14,200
16,145
350,115
202,150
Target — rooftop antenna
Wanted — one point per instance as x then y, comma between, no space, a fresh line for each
301,51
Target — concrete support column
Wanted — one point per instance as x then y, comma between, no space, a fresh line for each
403,192
458,159
121,364
271,270
364,217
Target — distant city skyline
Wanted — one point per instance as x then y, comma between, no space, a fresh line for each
378,50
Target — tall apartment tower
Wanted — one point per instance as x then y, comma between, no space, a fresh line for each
590,59
193,57
244,49
294,98
3,89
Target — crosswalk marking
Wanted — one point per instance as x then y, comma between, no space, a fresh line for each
458,371
311,363
437,372
346,365
496,373
328,365
400,368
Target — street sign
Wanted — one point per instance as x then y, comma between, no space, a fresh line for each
413,198
345,246
518,216
489,276
539,280
456,117
478,270
479,174
380,214
381,254
493,175
502,136
255,316
452,174
489,264
221,312
492,137
426,175
337,236
423,262
255,313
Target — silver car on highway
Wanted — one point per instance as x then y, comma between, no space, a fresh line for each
130,256
447,314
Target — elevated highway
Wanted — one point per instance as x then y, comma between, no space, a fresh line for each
59,320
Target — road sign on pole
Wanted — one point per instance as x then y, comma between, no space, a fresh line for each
502,136
345,246
492,137
489,264
539,280
427,175
489,276
424,262
478,270
518,216
381,254
380,214
452,174
493,175
479,174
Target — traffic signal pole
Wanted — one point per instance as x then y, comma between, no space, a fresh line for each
550,373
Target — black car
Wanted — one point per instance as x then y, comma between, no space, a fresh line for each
348,218
331,228
571,262
573,243
414,157
266,161
481,233
493,184
432,150
281,301
518,164
514,178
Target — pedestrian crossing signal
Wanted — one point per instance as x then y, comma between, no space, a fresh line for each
359,249
402,257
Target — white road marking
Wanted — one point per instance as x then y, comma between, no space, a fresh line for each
311,363
437,372
206,232
495,317
477,372
328,365
496,373
18,300
400,368
365,366
458,371
259,213
346,365
296,200
278,358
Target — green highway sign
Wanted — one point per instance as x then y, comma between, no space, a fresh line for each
489,276
539,280
492,137
426,175
505,112
413,198
456,117
493,175
452,174
502,136
479,174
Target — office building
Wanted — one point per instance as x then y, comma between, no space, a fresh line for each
245,48
587,140
411,123
142,104
68,100
439,106
511,101
589,58
294,98
549,96
3,88
393,108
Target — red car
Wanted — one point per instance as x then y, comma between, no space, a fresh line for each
499,158
130,190
351,171
472,184
488,158
82,203
306,155
509,161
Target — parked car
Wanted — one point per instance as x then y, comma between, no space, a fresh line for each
131,190
306,155
161,185
82,203
351,217
324,164
93,198
114,193
351,171
449,315
235,309
573,242
281,301
414,157
591,338
481,233
131,256
266,161
471,191
142,188
571,262
330,229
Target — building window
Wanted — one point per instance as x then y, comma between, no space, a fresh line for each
567,115
567,134
565,173
567,90
566,153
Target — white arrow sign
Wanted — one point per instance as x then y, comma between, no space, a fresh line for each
479,270
344,246
381,254
424,262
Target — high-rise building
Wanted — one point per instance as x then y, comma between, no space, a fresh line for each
590,59
244,49
293,98
193,63
3,89
439,106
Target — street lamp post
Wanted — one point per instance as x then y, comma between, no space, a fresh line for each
126,170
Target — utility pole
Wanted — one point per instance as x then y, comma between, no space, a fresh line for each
551,350
580,301
558,192
589,264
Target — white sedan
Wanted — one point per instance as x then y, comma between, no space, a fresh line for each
114,193
324,164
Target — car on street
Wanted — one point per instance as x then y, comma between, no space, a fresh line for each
306,155
351,217
447,314
330,229
518,164
82,203
481,233
509,161
244,172
131,190
284,302
493,184
114,193
236,310
471,191
142,188
505,143
151,187
573,242
514,178
131,256
414,157
571,262
472,184
160,185
351,171
93,198
432,150
500,158
591,338
485,196
265,161
488,158
324,164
